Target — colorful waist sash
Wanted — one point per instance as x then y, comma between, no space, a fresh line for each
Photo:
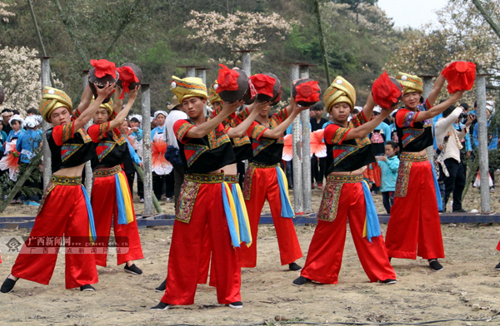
231,178
106,172
57,180
406,160
330,201
247,182
189,192
331,194
123,196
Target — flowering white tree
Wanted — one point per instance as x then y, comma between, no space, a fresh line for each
20,77
238,31
4,12
462,34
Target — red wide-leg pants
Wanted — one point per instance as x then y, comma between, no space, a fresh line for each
414,227
106,212
324,257
65,213
265,186
186,251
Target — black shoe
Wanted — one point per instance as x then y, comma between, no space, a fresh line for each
301,280
389,281
497,267
7,285
132,269
87,287
461,210
435,265
236,305
161,306
294,267
162,287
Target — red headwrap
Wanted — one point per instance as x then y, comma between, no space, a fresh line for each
127,76
385,92
460,76
264,84
104,67
227,79
308,92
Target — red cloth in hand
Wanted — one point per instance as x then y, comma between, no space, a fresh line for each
385,92
460,76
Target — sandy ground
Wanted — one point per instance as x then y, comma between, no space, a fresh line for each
466,290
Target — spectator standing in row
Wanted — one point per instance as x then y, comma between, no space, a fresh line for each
28,145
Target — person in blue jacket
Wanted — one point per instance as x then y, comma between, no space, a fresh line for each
28,145
389,165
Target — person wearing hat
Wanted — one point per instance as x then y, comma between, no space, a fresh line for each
65,208
10,161
28,145
242,147
162,177
264,178
136,136
6,115
204,203
112,202
16,123
414,227
346,197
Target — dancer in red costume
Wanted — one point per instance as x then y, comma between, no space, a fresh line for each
414,227
202,207
242,148
112,201
264,178
346,196
65,208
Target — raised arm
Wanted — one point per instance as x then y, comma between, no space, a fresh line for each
368,108
436,88
278,131
118,103
88,113
206,127
435,110
123,113
368,126
85,100
240,130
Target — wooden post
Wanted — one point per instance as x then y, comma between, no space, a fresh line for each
190,72
47,158
202,73
146,128
298,187
306,149
246,63
483,142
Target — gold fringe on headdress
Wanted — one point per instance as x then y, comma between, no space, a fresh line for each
53,98
411,83
188,87
339,91
213,96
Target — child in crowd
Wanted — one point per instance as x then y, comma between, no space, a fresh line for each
389,165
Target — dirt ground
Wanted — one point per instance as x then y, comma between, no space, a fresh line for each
466,292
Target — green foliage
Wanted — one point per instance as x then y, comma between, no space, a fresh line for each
151,34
